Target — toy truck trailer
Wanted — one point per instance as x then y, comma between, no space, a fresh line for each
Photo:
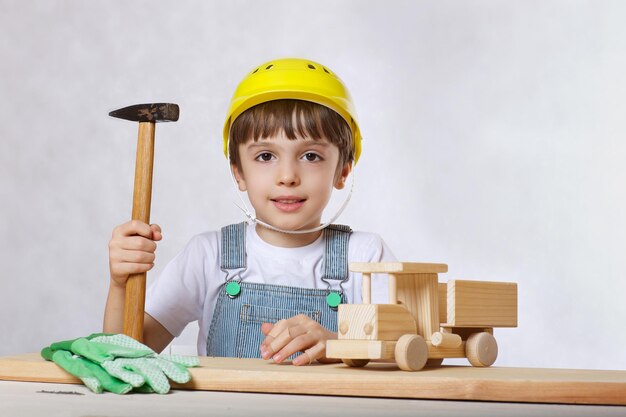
425,321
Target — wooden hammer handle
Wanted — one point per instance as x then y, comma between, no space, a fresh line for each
142,196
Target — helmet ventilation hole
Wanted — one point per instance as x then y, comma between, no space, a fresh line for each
326,71
311,66
269,66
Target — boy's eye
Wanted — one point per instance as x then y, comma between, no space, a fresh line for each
312,157
265,157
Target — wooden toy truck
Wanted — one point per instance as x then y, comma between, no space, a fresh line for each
425,321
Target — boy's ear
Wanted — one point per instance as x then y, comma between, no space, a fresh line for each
343,175
241,183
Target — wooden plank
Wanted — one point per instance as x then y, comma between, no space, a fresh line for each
398,267
32,368
375,380
482,303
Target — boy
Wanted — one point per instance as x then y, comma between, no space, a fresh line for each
270,288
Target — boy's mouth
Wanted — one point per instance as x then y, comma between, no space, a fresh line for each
288,204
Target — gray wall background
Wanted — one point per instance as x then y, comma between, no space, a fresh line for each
494,142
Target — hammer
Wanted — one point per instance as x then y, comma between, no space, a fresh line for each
147,115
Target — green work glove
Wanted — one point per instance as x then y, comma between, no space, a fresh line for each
134,363
92,375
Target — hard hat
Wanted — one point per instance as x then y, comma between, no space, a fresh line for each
294,78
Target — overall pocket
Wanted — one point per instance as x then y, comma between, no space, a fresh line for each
251,317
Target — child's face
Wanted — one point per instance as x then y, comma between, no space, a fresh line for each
289,182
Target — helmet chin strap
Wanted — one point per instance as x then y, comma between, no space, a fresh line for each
252,218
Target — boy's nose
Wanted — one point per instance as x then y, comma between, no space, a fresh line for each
288,175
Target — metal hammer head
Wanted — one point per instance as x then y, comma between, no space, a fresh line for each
153,112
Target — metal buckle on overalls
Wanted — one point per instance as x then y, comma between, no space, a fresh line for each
232,286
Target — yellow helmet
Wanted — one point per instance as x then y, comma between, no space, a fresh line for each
294,78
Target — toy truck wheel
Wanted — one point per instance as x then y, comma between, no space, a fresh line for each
356,363
481,349
411,352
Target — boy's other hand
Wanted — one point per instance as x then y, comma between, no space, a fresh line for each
132,249
296,334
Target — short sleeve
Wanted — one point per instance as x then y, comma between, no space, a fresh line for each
177,297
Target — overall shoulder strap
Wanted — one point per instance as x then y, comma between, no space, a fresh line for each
336,238
233,250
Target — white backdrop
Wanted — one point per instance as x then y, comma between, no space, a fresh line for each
494,142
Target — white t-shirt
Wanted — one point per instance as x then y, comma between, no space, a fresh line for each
187,290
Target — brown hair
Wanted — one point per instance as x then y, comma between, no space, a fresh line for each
297,118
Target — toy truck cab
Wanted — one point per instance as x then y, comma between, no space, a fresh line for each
408,329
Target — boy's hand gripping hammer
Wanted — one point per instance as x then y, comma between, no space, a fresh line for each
147,115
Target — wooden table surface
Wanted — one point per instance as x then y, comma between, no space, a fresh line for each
375,380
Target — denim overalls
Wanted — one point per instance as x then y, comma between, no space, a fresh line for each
236,325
